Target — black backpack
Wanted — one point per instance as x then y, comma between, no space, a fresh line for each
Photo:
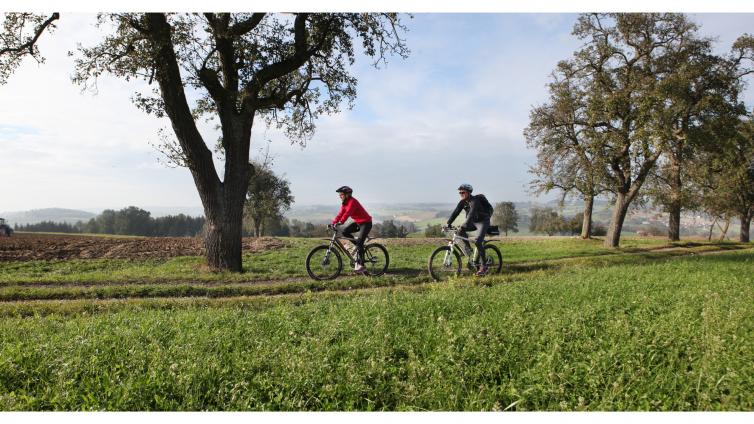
486,205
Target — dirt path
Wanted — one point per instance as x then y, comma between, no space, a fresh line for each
514,271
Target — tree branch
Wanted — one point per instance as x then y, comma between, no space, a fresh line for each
176,107
29,45
246,26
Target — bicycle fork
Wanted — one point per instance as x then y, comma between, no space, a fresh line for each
448,260
326,259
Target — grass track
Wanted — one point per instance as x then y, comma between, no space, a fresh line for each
651,327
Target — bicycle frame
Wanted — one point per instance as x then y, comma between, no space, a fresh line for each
335,241
454,244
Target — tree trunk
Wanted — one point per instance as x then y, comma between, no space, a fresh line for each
257,229
724,230
612,240
674,223
674,207
586,226
711,227
223,239
222,200
745,226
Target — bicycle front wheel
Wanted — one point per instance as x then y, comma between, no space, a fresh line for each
322,263
376,259
444,263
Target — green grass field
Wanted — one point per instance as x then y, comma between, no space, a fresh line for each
567,326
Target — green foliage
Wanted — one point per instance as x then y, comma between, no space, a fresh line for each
506,217
393,229
138,222
546,220
433,230
267,199
727,180
298,228
49,227
574,224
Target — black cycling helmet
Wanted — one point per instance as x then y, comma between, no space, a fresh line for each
344,189
466,187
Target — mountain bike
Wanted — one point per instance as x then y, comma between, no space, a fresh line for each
445,261
325,262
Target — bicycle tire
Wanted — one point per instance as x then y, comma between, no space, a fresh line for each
368,256
452,269
496,265
324,262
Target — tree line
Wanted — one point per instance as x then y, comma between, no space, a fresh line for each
297,228
130,221
646,112
541,220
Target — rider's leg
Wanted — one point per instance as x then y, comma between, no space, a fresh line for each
479,241
349,230
361,237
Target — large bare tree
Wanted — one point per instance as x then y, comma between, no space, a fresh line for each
235,68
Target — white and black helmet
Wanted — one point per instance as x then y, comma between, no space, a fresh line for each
466,187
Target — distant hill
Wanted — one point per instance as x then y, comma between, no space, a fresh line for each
421,214
34,216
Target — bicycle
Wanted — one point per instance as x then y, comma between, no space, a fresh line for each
445,261
324,262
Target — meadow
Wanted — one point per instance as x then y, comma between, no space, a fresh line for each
568,325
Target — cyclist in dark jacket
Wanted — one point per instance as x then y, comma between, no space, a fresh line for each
477,218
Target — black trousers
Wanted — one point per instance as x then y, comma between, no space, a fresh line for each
362,231
481,228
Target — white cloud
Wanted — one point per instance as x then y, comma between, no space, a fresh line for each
454,111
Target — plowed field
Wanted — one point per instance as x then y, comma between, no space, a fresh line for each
27,247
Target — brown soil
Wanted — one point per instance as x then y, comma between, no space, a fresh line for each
29,246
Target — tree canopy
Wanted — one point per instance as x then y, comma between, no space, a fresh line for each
286,69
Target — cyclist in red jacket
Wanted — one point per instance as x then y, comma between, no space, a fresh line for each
361,225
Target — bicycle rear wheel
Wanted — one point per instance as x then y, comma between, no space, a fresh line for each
494,259
444,263
376,259
322,263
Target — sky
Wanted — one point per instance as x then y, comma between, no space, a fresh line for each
453,112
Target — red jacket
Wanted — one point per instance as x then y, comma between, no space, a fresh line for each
353,209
